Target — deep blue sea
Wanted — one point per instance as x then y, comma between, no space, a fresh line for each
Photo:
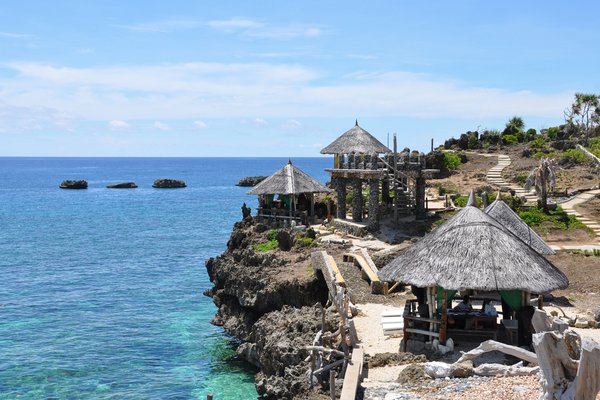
101,289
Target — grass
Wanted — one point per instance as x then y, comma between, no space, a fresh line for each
265,246
554,220
304,241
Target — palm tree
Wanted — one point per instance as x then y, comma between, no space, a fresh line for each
515,124
542,178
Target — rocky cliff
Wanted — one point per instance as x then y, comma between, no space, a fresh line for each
270,301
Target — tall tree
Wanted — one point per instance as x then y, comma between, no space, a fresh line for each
514,125
542,178
584,114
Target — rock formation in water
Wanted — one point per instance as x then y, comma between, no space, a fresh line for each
124,185
251,180
74,184
168,184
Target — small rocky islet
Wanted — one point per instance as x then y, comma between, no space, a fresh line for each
123,185
74,184
251,180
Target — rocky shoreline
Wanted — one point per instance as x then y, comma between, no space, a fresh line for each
270,301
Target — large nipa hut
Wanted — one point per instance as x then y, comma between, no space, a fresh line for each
471,252
295,190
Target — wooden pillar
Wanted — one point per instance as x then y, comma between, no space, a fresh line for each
311,217
373,204
443,325
540,301
357,200
385,191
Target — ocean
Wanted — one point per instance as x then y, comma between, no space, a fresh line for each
101,289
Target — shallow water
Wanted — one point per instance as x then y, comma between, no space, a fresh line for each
101,289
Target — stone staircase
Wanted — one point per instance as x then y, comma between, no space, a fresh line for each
494,178
569,208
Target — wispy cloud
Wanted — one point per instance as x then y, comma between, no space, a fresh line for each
237,90
259,122
118,124
200,124
14,35
16,119
291,124
161,126
164,26
234,23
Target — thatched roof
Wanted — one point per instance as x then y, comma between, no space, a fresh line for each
502,213
289,180
356,140
473,251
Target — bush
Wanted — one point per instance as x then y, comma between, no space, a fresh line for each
272,234
473,141
441,190
304,241
461,201
451,161
537,143
509,139
575,154
555,219
552,132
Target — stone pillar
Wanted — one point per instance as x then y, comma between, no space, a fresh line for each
340,188
420,198
357,200
373,204
374,161
351,161
385,191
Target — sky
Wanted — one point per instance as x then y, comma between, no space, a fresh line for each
282,78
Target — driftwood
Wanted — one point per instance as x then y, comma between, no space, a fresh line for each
505,370
569,365
492,345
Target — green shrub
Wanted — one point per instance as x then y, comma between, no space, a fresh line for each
473,143
552,132
576,154
304,241
537,143
451,161
531,133
532,217
509,139
441,190
272,235
266,246
539,154
555,219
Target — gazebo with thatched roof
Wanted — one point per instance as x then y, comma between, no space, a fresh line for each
472,251
502,213
296,190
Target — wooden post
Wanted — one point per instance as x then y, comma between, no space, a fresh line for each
332,384
431,306
444,318
209,396
540,301
395,182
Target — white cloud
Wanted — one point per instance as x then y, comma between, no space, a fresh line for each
13,35
200,124
118,124
260,122
244,90
161,126
234,23
164,26
15,119
291,124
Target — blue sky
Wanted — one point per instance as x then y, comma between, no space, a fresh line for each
273,78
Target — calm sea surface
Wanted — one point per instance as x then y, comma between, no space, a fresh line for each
101,289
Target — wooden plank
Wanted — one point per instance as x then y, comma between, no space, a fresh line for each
365,268
339,279
369,260
353,375
422,332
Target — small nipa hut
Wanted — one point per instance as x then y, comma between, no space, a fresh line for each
471,252
295,190
502,213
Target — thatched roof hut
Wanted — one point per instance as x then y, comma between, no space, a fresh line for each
289,180
474,251
502,213
358,141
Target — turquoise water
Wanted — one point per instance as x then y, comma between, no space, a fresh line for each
101,289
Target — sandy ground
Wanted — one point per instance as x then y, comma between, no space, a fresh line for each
370,331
